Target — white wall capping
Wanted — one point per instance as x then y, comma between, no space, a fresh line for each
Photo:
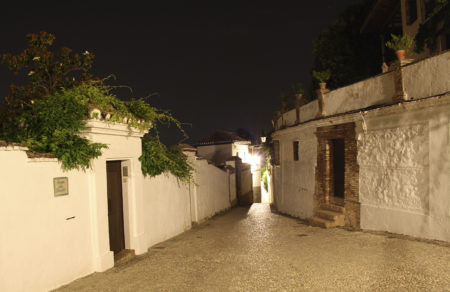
42,159
109,128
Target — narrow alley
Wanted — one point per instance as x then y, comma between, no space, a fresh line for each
254,249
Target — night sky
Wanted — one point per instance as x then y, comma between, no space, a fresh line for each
217,66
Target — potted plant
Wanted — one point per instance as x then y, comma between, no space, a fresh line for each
400,44
322,77
297,90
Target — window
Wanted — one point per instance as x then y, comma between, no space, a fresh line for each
411,11
275,152
295,148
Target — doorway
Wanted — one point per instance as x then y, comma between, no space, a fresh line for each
337,171
115,206
338,154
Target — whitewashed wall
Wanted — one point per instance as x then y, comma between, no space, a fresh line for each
404,168
217,153
210,190
295,187
49,241
40,247
433,75
404,173
167,208
373,91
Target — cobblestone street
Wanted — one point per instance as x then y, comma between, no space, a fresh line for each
257,250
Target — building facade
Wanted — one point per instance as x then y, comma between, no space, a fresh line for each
362,157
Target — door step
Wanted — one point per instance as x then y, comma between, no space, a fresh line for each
328,216
124,256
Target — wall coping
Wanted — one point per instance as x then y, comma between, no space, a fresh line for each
111,128
410,106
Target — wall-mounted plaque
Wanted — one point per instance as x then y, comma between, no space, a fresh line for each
61,186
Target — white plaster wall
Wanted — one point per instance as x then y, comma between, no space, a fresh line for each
372,91
124,144
212,191
41,248
216,153
246,181
290,117
309,111
404,171
432,74
294,194
167,208
242,150
44,248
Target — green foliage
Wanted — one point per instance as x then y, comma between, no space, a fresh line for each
322,76
52,125
350,55
157,158
49,113
400,42
438,14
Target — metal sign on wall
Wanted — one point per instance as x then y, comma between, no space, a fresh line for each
60,186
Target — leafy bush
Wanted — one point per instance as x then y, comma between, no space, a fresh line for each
52,125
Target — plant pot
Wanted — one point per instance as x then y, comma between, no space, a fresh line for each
400,54
323,85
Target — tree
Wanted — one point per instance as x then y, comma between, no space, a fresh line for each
341,48
438,15
49,113
48,73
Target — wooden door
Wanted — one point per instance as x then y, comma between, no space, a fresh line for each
115,206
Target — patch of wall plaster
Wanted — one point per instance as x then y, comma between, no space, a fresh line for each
297,184
309,111
394,168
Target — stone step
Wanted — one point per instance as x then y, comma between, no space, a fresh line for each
327,214
337,218
320,222
334,208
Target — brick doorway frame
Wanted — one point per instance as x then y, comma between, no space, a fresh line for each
324,171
